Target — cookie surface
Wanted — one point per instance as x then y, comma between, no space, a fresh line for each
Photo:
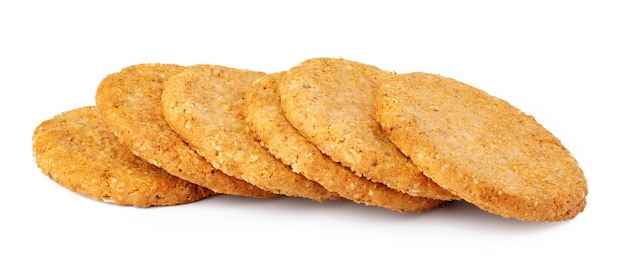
129,103
76,150
331,103
264,114
481,148
204,105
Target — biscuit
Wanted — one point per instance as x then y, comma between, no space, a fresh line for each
76,150
331,103
204,104
264,115
481,148
129,103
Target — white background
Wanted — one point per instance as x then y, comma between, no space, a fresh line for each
562,62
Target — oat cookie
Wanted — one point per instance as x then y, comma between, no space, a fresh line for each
331,103
129,103
481,148
204,104
76,150
264,115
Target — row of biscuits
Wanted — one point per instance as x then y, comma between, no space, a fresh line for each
128,105
331,129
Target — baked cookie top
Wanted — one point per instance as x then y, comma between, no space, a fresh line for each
481,148
331,103
264,116
204,104
129,102
76,150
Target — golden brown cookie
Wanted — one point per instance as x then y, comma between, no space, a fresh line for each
481,148
129,102
76,150
264,115
331,103
204,104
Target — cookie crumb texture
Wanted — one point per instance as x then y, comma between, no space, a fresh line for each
129,103
204,104
77,151
271,128
331,103
481,148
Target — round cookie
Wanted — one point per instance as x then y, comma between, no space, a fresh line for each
129,103
76,150
331,103
204,104
264,115
481,148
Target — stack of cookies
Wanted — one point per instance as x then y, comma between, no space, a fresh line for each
326,129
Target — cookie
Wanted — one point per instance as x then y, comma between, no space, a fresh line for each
481,148
204,104
263,113
76,150
129,102
331,103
